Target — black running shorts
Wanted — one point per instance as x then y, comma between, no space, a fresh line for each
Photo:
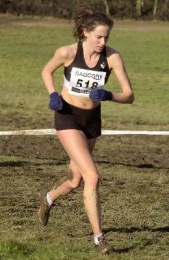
86,120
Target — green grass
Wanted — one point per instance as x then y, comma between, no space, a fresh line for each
134,169
25,49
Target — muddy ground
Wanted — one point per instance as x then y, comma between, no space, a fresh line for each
134,172
30,163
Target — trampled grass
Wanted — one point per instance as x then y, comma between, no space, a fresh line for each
134,198
134,170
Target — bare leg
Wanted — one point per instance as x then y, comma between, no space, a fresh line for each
79,149
67,183
64,186
82,166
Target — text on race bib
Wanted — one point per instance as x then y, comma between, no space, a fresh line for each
82,81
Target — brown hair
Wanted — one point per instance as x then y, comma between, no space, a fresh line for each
87,18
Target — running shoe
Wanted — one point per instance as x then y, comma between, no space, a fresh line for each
44,209
103,247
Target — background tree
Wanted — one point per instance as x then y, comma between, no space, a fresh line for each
138,7
118,9
155,8
107,7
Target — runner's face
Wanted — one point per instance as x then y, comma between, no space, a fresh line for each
97,38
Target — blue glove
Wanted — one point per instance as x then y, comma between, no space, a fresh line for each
56,102
100,95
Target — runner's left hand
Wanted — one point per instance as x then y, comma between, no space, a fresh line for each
100,95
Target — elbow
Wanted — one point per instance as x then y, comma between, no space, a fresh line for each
43,74
131,98
46,73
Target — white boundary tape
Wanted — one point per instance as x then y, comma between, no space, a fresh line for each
104,132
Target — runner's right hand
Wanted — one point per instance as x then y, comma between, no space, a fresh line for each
56,102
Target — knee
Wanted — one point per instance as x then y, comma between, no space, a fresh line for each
92,181
75,181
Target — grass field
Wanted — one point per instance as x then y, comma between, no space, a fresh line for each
134,169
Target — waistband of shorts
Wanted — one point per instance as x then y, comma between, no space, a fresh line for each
82,110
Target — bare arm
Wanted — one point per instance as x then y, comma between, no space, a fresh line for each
126,95
60,57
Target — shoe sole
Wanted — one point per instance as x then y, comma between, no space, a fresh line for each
40,199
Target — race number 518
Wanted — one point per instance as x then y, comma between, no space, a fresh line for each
80,83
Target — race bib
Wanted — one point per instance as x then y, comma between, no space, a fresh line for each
83,80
